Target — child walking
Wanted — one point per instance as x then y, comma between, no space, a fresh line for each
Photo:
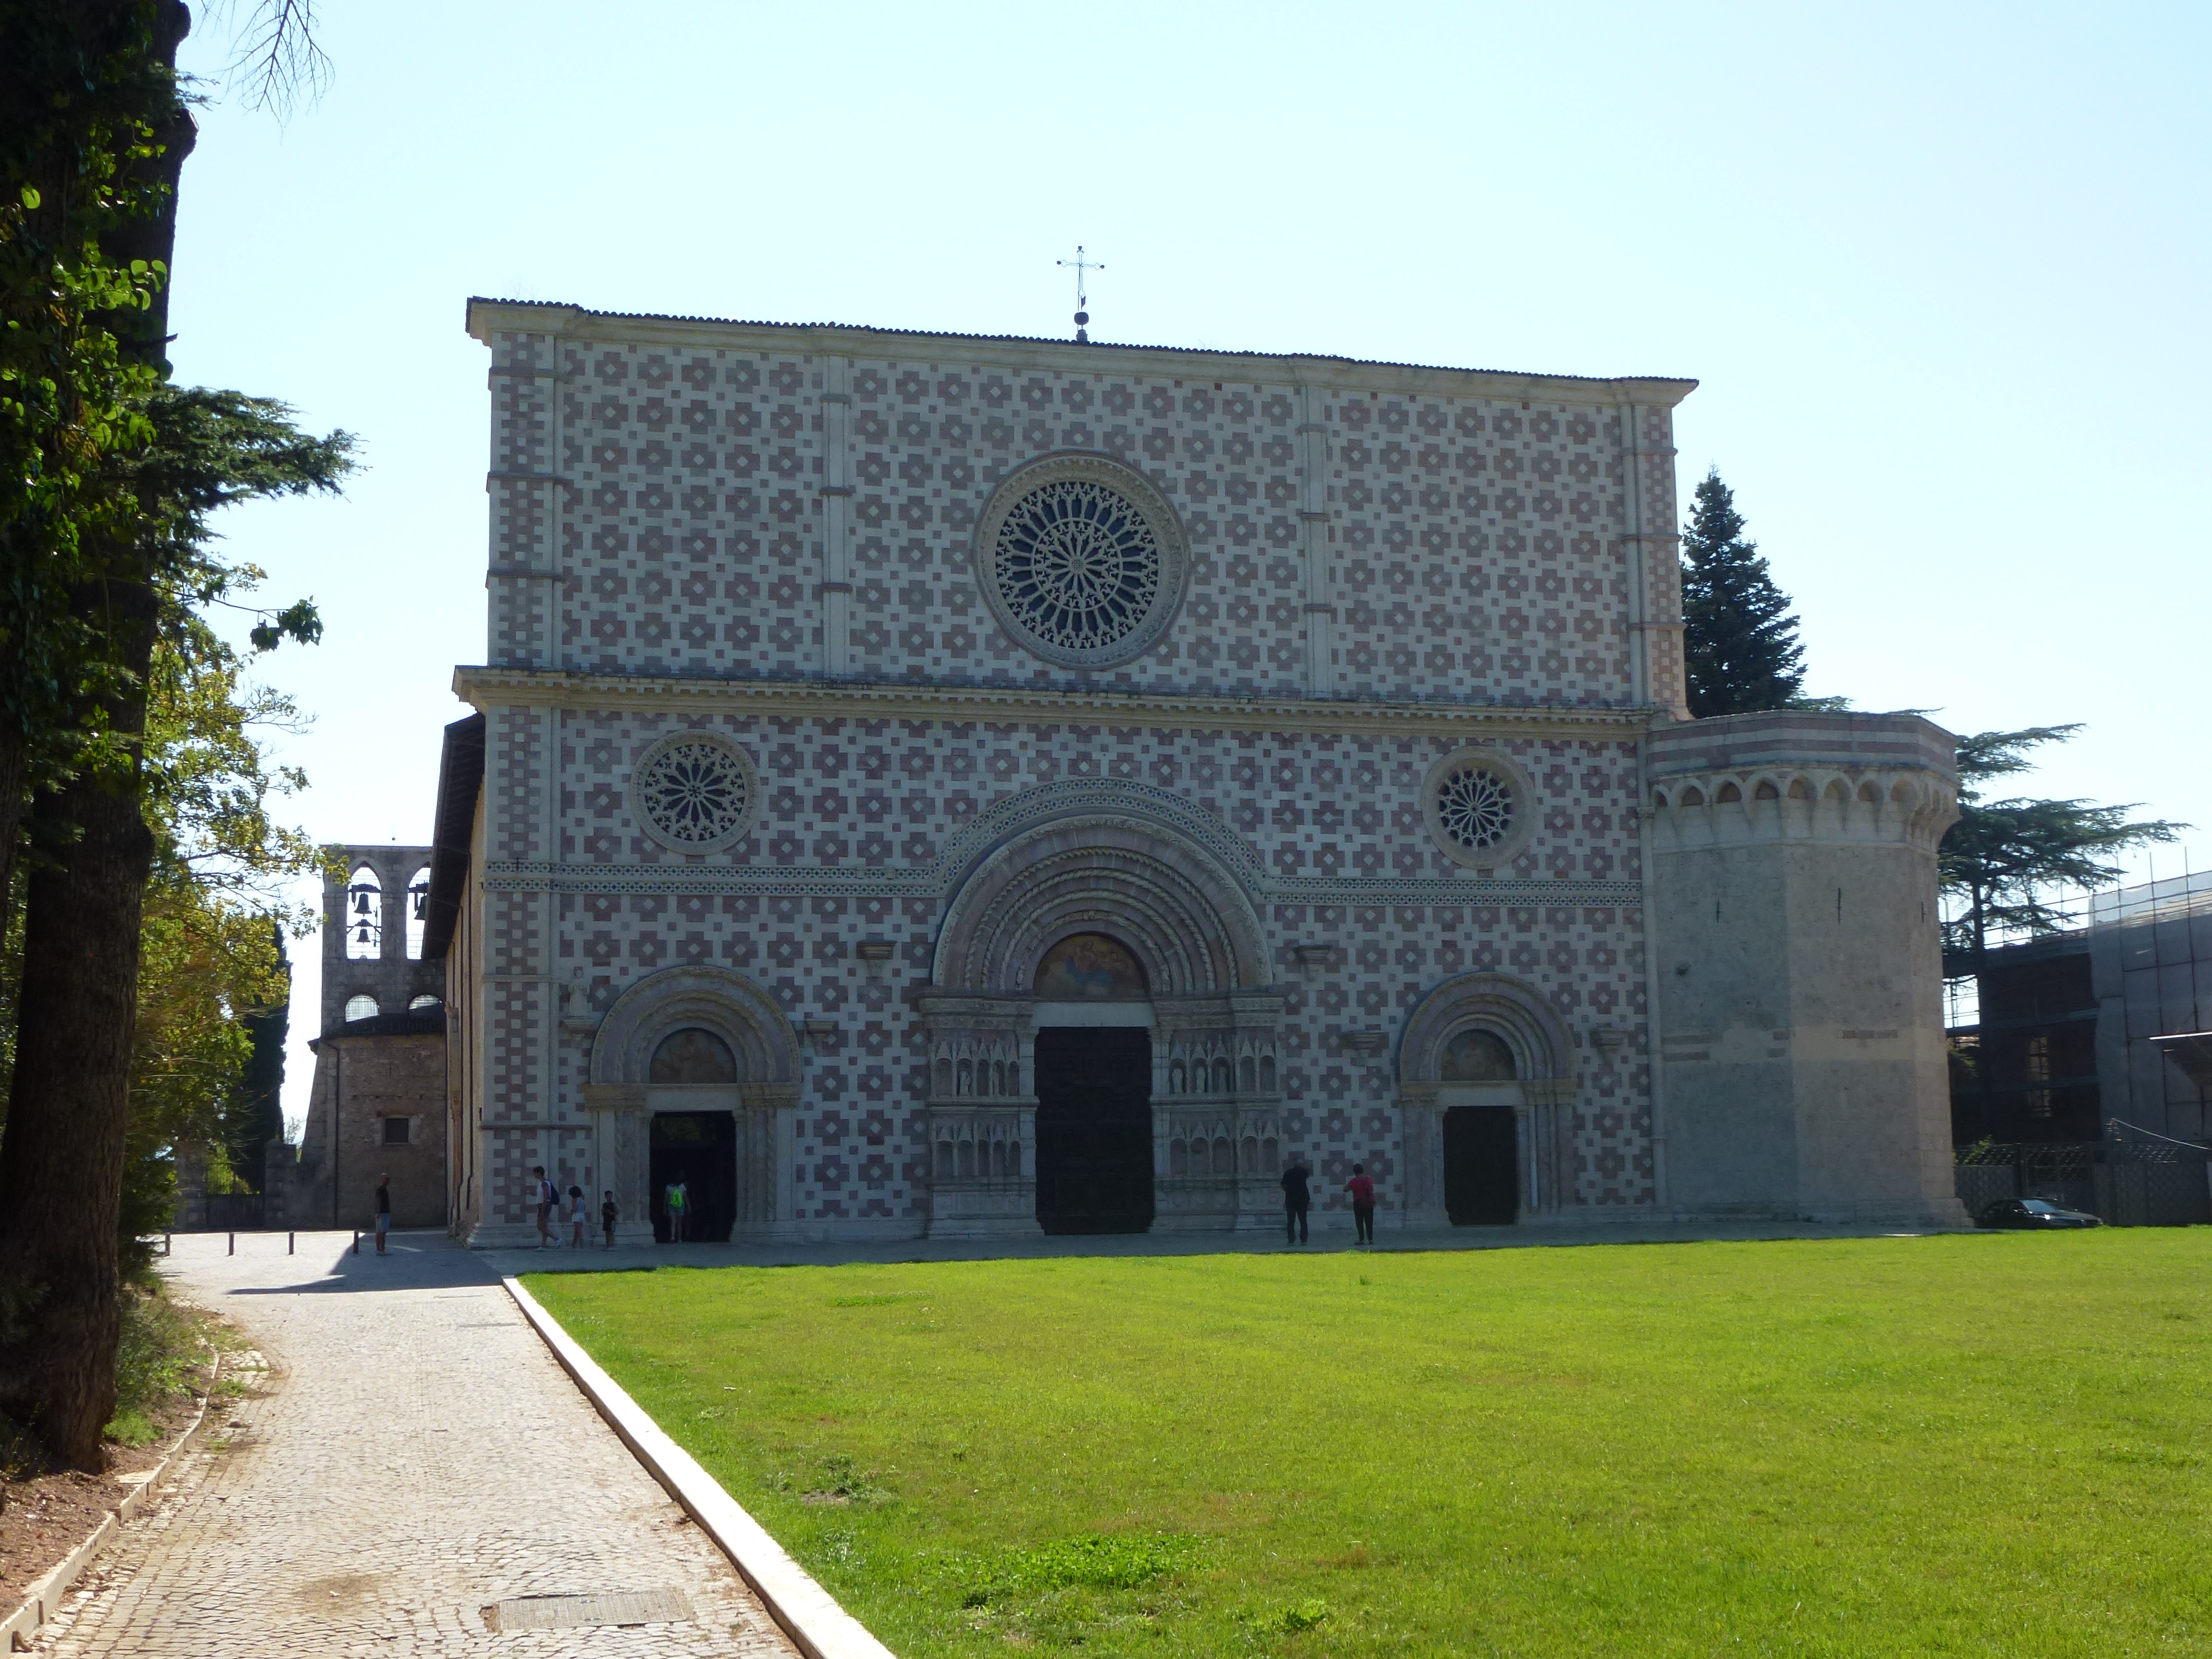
576,1217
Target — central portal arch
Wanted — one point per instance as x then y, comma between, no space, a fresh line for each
1082,965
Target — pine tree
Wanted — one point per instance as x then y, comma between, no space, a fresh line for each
1739,638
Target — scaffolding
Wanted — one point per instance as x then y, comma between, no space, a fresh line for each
2170,898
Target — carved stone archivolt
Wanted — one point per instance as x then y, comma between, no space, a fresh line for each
740,1013
1200,957
1541,1090
1173,905
622,1094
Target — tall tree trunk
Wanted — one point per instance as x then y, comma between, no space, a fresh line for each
61,1162
1984,1094
61,1173
14,780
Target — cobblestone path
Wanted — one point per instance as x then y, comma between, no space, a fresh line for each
411,1455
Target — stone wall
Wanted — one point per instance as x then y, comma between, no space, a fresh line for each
362,1083
680,498
762,535
1799,961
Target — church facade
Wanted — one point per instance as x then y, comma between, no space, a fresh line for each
937,786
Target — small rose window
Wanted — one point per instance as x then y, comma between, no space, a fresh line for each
694,793
1479,807
1475,806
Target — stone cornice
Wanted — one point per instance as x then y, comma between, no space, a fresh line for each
1870,806
488,318
487,688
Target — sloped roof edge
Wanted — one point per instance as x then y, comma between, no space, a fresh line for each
1677,386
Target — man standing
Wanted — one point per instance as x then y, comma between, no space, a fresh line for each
548,1197
678,1198
609,1214
1296,1199
1362,1205
383,1210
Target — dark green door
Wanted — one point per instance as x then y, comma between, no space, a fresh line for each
1094,1129
1482,1184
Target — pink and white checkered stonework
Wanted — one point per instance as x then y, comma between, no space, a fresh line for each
942,785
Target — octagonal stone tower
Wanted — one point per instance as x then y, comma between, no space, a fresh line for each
1799,965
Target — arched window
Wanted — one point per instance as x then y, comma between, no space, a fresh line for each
1475,1056
422,1002
364,916
418,911
692,1055
360,1007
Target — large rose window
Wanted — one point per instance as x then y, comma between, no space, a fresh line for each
1082,560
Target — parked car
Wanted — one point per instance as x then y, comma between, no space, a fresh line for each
2031,1212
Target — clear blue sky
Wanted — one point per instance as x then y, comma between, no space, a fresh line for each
1939,268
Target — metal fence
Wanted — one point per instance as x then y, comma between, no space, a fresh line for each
2124,1183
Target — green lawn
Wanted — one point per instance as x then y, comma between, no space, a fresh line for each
1983,1444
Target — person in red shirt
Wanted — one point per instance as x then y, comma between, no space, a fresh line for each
1363,1204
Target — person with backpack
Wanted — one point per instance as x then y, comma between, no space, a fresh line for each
549,1199
609,1214
1297,1198
1362,1188
679,1204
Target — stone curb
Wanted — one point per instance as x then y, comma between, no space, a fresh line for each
22,1627
809,1614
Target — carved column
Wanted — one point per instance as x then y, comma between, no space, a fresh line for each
981,1117
622,1151
759,1105
1421,1122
